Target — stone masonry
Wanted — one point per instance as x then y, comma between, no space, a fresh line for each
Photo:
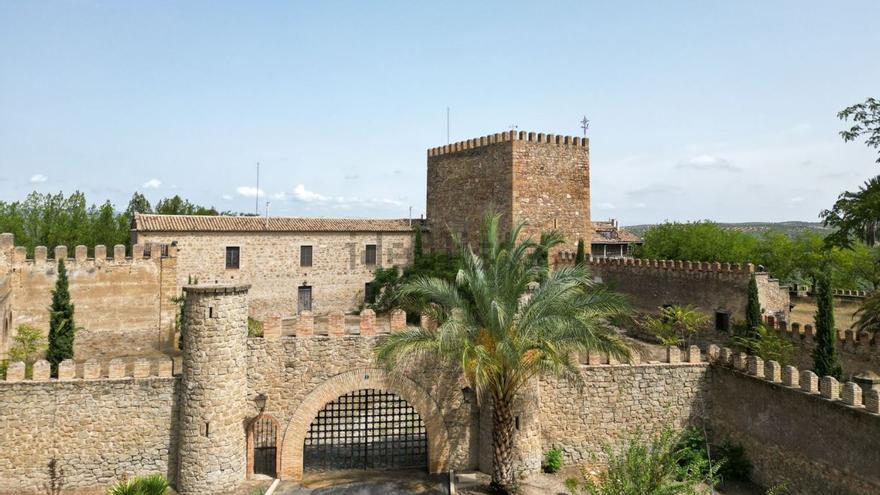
214,389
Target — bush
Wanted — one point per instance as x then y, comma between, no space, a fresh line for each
647,468
767,344
553,460
154,484
255,327
675,325
728,459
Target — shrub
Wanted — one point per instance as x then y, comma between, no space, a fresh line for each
728,459
255,327
648,468
553,460
675,325
27,344
154,484
767,344
4,365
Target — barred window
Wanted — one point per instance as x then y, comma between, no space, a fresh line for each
232,257
370,255
305,256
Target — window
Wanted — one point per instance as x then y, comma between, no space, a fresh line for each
369,294
232,257
722,321
305,256
304,299
370,255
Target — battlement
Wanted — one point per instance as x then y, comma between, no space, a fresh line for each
18,255
850,394
92,369
669,265
501,137
849,341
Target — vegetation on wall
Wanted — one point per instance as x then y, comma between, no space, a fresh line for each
61,324
767,344
675,325
27,345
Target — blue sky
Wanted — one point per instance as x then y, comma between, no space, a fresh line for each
721,110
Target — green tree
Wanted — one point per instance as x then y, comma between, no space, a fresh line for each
176,205
61,324
855,216
675,325
825,360
501,327
753,306
138,204
866,122
417,244
27,344
580,256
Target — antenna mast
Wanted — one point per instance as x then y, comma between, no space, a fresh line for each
257,192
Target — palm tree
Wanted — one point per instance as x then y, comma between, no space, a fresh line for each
505,320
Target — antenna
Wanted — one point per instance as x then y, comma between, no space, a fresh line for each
585,124
267,215
257,192
447,125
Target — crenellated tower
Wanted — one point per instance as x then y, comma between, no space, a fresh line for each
214,389
540,179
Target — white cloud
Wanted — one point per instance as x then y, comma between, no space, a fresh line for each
152,184
250,192
606,206
39,178
707,162
301,193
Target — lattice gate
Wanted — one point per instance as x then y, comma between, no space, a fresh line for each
366,429
264,447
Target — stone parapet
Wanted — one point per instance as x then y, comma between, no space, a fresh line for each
92,369
507,136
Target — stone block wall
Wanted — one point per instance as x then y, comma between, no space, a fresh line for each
858,351
96,430
710,287
123,303
540,179
796,427
270,263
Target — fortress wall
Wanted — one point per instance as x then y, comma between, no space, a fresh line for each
121,301
708,286
816,434
290,368
858,351
270,263
96,430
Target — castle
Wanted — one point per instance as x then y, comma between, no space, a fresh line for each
232,406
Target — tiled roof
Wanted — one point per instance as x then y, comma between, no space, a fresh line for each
608,233
205,223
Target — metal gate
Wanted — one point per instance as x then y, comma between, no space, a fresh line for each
264,447
366,429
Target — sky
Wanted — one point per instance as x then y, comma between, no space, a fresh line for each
699,109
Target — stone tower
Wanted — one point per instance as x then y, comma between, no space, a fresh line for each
214,389
540,179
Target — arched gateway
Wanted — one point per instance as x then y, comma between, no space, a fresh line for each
390,391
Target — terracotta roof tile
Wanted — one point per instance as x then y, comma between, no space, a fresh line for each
607,233
204,223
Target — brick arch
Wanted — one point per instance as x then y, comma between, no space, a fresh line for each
351,381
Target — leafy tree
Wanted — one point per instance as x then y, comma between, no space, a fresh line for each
866,122
855,215
580,256
825,359
27,344
753,306
178,206
501,327
768,344
61,324
868,315
138,204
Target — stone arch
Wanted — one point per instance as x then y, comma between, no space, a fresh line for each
250,442
351,381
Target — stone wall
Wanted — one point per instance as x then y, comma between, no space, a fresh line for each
858,351
618,402
123,304
97,430
540,179
815,434
710,287
270,263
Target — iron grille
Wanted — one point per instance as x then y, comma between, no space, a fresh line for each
264,447
366,429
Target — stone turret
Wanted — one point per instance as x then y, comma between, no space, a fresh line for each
214,389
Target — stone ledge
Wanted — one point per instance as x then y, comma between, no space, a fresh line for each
217,289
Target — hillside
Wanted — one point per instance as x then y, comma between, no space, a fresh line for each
756,228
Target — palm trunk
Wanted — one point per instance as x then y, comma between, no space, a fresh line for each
502,446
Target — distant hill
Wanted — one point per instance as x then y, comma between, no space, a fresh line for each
756,228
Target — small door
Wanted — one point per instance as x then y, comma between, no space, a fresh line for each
264,447
304,301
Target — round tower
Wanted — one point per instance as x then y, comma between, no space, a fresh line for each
212,455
